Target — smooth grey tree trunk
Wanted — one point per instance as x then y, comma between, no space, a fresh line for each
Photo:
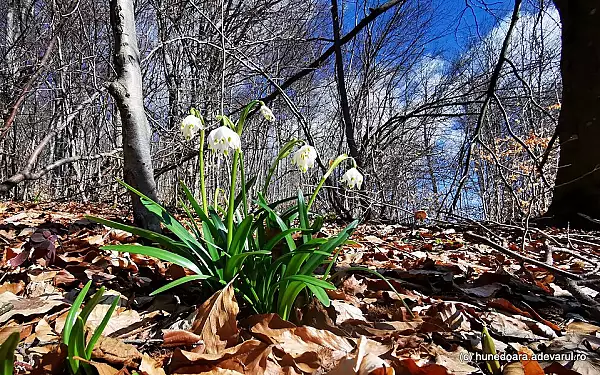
9,64
128,95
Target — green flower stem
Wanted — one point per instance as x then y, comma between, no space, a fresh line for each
283,153
314,196
230,206
244,192
253,291
202,178
335,163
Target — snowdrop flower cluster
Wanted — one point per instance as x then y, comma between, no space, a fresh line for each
222,139
352,178
267,113
305,157
190,126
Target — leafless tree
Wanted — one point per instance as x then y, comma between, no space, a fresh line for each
409,107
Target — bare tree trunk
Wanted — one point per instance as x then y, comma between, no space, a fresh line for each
341,84
128,95
11,33
172,78
344,104
577,187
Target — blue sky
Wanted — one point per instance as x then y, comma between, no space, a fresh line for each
456,22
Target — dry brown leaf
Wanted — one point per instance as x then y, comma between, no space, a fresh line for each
178,337
531,367
118,320
420,215
216,321
515,368
102,368
149,366
44,332
45,276
59,322
27,306
27,333
307,348
314,314
554,368
14,288
452,360
448,316
353,286
278,331
39,289
236,358
537,328
52,362
363,362
504,304
373,365
96,240
409,367
119,235
266,363
582,327
7,331
508,326
64,277
374,240
116,352
536,316
220,371
345,312
15,219
484,291
586,368
346,366
404,328
375,347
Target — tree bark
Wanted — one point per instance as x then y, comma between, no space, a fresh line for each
128,95
344,104
577,186
341,84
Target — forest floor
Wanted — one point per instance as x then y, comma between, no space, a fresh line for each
535,291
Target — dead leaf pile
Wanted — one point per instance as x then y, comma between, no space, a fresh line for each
453,283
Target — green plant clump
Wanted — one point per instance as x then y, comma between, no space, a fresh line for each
7,353
270,253
73,335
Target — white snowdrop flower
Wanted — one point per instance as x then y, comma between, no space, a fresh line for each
222,139
190,126
267,113
305,157
352,178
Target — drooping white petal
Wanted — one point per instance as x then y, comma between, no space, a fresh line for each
223,139
352,178
305,157
190,126
267,113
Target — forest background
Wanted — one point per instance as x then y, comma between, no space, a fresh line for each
421,120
